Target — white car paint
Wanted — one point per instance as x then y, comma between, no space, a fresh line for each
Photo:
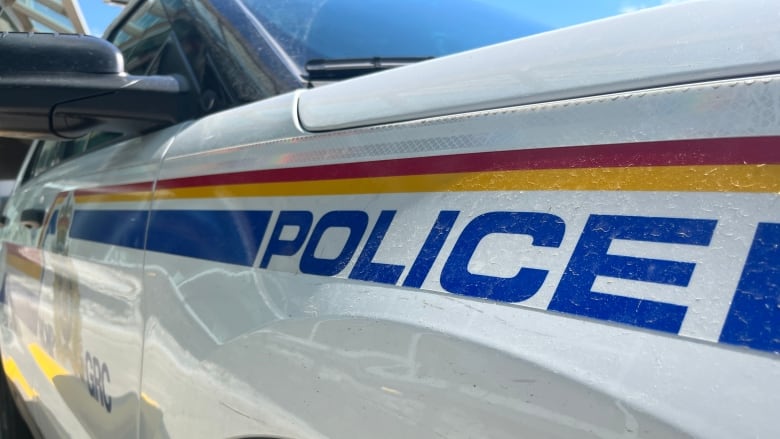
363,323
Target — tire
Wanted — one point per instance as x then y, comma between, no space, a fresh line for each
12,425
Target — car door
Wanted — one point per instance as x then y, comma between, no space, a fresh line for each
92,202
72,285
75,252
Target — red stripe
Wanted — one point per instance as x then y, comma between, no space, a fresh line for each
116,189
725,151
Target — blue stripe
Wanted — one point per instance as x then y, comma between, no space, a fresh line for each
2,289
229,236
124,228
53,222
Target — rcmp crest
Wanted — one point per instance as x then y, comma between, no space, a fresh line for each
65,289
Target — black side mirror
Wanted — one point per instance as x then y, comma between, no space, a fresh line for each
64,86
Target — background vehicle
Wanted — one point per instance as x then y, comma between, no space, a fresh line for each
12,155
6,186
572,234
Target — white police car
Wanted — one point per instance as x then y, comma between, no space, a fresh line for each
574,234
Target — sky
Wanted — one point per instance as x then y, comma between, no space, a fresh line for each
98,14
553,13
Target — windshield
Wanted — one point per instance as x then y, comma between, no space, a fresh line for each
348,29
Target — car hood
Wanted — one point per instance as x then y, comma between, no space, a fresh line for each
673,44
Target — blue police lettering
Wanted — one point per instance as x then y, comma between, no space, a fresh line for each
754,317
547,230
365,268
590,259
354,220
752,320
431,248
276,245
98,378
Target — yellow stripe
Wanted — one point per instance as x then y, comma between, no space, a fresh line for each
48,365
114,198
149,401
26,266
14,374
734,178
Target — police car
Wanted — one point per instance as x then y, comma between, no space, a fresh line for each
230,231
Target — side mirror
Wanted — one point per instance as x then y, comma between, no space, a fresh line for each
62,86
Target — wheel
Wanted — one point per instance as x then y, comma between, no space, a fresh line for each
12,425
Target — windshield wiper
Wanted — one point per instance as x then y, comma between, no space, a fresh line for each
335,69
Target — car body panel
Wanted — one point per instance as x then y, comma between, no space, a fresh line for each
82,326
599,259
211,312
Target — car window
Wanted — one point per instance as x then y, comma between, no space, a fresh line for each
142,37
47,155
224,70
51,153
6,187
348,29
